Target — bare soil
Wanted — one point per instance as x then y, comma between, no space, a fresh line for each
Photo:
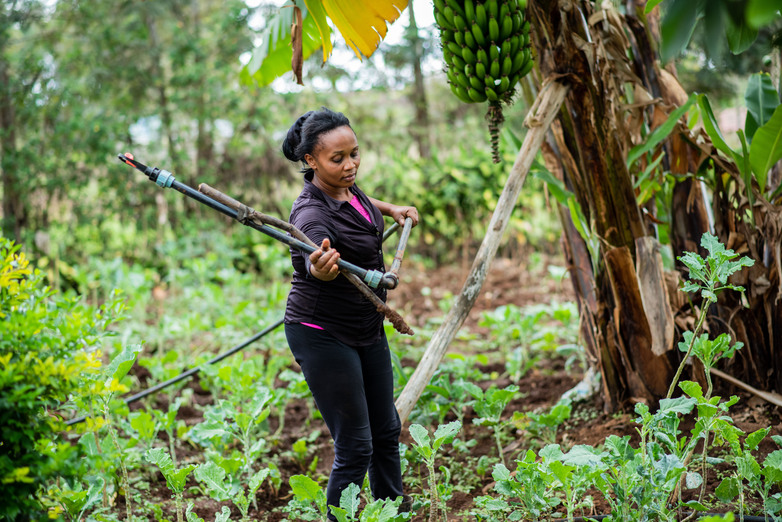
417,300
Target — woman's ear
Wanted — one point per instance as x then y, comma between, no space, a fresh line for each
310,160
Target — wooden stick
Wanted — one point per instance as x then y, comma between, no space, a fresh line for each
772,397
539,118
247,214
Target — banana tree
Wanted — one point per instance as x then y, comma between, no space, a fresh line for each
620,94
301,27
637,191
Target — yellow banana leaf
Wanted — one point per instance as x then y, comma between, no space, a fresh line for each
362,24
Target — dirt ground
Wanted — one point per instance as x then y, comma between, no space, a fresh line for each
417,300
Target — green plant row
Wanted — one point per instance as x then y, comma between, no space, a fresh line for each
80,474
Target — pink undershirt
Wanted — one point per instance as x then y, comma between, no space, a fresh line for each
358,206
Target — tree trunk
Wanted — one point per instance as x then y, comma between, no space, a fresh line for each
420,130
14,211
620,315
589,50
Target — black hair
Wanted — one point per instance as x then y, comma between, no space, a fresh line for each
305,134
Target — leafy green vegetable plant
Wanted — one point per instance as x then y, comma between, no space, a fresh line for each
213,477
427,447
76,502
226,422
176,478
309,500
709,276
543,426
527,485
489,406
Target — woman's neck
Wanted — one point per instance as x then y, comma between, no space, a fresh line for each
335,193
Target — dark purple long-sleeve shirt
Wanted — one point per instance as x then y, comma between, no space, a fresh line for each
336,305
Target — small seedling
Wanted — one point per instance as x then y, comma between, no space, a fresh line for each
427,448
489,406
175,478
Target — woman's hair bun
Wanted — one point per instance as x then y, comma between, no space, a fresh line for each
304,135
293,139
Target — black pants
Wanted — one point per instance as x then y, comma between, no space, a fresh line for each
353,388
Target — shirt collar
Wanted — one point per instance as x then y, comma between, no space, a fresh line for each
333,204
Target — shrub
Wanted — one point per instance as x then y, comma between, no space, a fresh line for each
47,344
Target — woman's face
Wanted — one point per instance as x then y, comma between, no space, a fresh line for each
335,160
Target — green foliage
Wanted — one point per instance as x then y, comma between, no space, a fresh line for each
48,345
427,446
489,406
709,276
762,144
309,499
456,193
736,22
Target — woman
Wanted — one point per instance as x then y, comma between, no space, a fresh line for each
335,333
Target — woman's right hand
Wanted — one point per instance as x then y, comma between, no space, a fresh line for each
324,262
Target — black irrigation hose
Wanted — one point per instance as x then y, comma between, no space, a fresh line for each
164,179
192,371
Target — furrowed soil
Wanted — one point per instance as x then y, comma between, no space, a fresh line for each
417,300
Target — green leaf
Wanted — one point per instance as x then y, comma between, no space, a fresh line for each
753,439
349,499
583,455
772,467
713,129
307,490
555,186
445,432
175,478
318,14
224,515
420,435
677,27
272,58
660,133
761,98
741,36
681,405
122,363
693,480
762,12
693,389
144,424
727,490
651,4
213,477
766,148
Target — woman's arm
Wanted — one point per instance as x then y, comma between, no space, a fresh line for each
396,212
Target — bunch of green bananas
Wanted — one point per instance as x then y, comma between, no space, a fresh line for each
487,51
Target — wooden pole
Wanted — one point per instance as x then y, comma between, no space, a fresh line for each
538,121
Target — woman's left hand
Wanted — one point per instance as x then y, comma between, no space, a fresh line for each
399,214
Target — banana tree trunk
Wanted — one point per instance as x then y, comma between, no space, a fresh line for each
590,137
628,305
